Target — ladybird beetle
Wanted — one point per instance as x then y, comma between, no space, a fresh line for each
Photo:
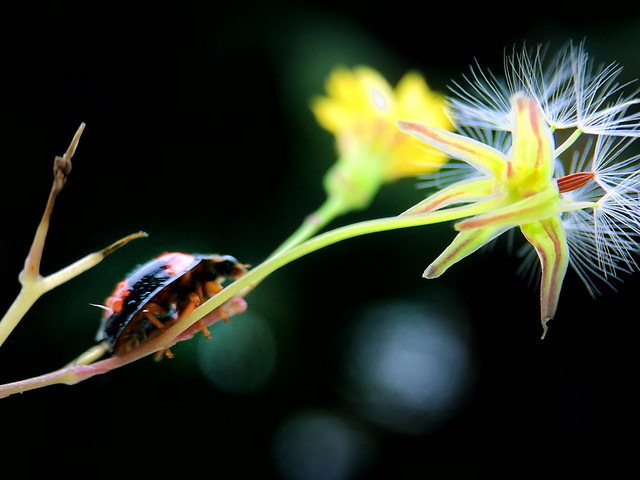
159,293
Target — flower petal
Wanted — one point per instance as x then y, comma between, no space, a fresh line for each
463,245
483,157
408,158
416,102
548,239
536,207
463,191
355,99
531,163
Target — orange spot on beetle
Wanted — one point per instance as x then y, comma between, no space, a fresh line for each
177,263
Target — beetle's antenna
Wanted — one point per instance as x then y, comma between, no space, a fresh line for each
107,309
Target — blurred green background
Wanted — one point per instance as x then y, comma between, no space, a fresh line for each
348,364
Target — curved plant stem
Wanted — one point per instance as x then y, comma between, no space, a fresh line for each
34,287
568,142
61,170
79,370
244,285
329,210
230,298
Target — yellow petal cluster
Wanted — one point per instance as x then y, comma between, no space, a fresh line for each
361,109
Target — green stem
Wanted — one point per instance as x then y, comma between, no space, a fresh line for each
568,142
275,262
81,369
570,207
75,373
23,302
329,210
34,287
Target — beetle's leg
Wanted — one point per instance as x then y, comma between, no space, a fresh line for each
223,314
194,301
204,329
153,319
198,297
211,288
161,353
152,311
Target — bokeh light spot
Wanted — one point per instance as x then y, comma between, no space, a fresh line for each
315,444
240,358
406,365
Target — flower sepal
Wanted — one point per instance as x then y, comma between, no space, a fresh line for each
354,179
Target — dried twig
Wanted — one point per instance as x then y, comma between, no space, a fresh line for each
33,285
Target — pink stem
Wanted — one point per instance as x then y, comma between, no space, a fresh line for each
72,374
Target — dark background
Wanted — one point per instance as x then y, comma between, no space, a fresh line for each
199,132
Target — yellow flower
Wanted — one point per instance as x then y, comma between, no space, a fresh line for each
361,109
